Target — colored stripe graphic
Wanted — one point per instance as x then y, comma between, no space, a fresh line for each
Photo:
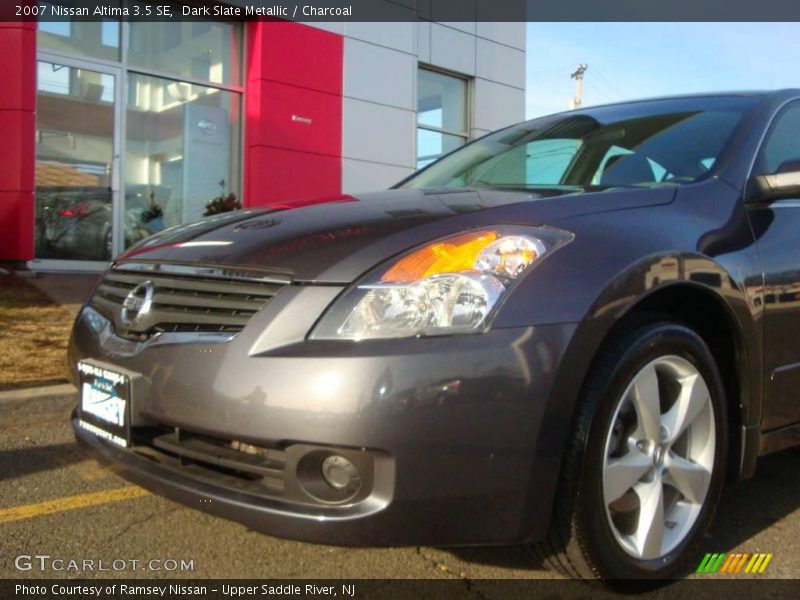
703,563
758,563
718,563
711,563
741,562
734,563
731,560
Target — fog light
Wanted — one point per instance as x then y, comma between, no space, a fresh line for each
340,473
333,477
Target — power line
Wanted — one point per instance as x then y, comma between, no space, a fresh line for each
608,82
602,87
598,90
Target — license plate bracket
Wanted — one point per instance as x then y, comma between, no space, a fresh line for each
105,403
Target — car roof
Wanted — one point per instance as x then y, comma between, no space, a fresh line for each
781,93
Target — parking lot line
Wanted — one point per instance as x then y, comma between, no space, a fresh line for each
26,511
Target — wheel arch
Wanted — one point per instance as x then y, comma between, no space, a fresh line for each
706,312
725,320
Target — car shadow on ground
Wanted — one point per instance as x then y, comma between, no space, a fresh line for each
19,462
747,508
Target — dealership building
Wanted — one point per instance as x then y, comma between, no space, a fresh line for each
115,130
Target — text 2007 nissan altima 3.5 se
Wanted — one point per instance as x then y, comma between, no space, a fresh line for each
570,332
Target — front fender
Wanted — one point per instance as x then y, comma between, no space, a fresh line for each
621,261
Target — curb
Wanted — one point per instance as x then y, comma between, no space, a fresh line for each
47,398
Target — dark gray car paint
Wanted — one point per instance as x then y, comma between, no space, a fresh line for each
337,242
454,469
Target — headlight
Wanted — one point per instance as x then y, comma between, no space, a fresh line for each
448,286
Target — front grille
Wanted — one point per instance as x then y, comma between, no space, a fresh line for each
182,301
235,465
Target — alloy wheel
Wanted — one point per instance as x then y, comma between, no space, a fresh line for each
659,457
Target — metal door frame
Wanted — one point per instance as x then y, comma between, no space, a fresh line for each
117,208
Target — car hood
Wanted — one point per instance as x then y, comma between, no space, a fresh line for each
337,241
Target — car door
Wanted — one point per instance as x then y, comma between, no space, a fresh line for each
776,225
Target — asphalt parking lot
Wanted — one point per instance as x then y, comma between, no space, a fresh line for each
54,501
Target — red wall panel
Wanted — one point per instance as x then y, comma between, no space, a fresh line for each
296,118
16,225
17,153
295,54
17,122
17,45
283,176
293,115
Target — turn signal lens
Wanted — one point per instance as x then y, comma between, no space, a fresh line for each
459,253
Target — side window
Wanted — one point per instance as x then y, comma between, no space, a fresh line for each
783,142
621,166
612,153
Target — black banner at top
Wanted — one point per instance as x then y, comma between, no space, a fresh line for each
402,10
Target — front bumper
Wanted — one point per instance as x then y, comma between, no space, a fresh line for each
456,428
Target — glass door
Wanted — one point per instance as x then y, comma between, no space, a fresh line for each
77,162
181,150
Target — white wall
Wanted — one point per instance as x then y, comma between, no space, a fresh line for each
380,80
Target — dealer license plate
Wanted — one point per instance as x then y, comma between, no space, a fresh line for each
105,403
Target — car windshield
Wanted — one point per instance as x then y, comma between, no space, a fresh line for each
653,143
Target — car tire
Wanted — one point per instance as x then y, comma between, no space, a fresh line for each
595,535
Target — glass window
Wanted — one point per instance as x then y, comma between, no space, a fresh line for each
208,51
74,163
182,149
433,144
60,28
81,38
109,34
783,145
441,115
624,146
541,162
179,132
547,160
53,78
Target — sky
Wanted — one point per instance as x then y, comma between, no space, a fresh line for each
640,60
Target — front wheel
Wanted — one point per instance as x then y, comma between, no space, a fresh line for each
645,466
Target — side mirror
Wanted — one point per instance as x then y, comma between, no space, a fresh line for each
777,186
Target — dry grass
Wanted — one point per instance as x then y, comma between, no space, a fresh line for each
33,336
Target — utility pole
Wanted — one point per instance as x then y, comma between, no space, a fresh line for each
577,100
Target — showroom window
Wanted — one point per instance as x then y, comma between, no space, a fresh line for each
442,115
204,50
96,39
181,149
138,127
